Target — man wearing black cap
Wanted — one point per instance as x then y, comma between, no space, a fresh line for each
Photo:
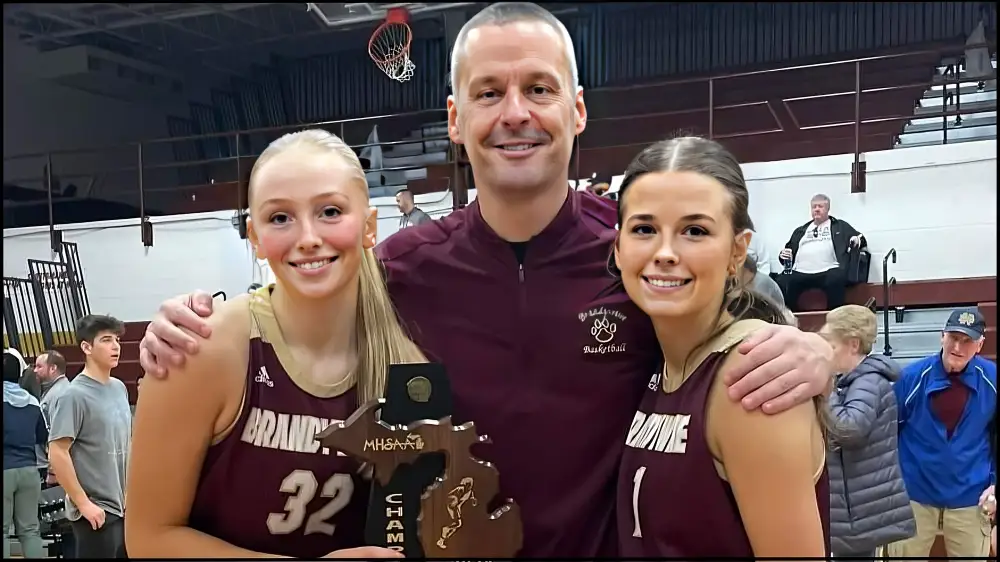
947,404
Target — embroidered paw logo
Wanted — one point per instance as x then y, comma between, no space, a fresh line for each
603,330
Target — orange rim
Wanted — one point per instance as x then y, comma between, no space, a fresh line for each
378,31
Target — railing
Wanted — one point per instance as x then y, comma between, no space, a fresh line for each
41,311
69,254
887,282
753,98
240,139
59,303
237,161
22,320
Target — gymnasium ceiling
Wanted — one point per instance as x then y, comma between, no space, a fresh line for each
220,36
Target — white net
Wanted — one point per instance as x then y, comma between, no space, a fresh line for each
390,49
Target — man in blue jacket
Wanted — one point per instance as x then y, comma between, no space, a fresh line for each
946,407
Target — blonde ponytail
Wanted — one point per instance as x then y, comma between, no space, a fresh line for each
382,341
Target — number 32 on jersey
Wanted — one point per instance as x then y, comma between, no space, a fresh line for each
302,487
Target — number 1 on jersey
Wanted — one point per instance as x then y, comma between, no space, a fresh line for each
636,484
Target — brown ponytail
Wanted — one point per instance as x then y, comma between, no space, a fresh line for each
711,159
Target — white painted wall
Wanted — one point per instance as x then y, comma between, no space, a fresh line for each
129,281
935,205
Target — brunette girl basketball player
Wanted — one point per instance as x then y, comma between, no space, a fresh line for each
224,462
752,485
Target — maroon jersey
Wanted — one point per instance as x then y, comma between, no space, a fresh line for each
671,500
548,357
269,486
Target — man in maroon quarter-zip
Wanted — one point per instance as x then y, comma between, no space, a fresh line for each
513,296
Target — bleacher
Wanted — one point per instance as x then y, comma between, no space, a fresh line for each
917,319
407,161
913,334
974,96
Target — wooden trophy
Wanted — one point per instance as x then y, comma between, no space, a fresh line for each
430,496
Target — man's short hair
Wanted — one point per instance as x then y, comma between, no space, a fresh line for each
404,191
820,197
504,13
56,359
88,327
29,382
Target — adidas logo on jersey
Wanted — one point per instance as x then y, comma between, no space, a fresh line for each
262,377
654,383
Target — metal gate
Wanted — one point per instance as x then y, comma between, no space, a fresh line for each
26,327
59,304
70,255
40,312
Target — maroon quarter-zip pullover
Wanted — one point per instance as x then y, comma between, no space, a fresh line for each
548,356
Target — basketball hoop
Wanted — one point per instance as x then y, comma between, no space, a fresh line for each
389,46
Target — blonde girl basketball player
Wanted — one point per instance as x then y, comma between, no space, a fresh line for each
224,461
753,485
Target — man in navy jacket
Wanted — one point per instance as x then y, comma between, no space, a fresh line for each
946,406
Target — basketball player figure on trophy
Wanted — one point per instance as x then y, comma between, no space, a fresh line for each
456,499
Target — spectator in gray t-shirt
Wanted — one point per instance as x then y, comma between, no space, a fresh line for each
89,442
411,214
50,367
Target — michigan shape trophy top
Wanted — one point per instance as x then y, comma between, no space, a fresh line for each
454,520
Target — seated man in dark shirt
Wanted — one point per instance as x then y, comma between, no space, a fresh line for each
817,256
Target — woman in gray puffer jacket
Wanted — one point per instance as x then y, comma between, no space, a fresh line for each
869,506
